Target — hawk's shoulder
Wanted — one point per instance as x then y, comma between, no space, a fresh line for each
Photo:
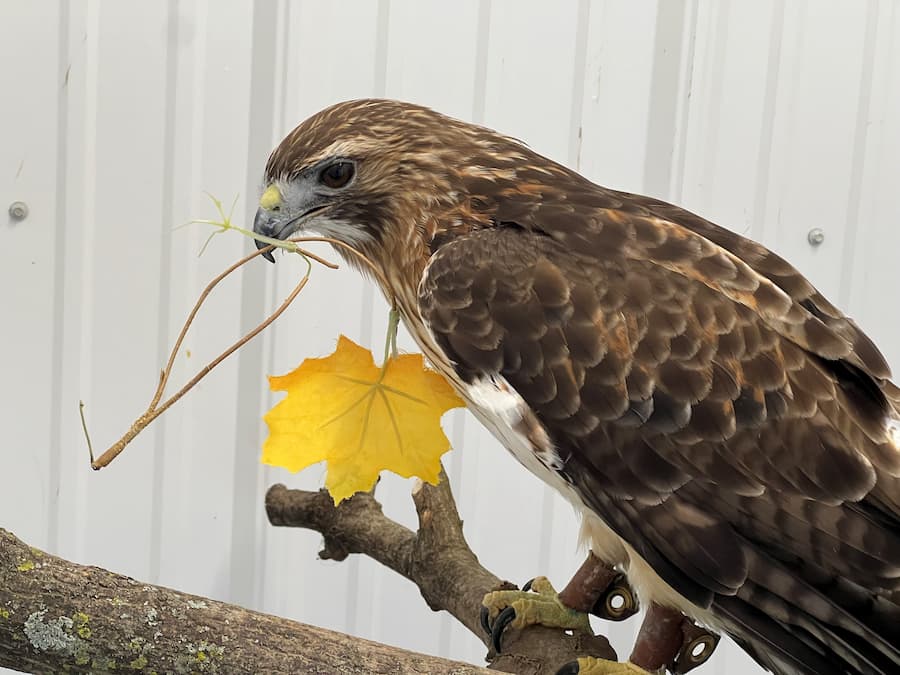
672,375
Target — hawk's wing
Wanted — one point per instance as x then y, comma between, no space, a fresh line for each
710,406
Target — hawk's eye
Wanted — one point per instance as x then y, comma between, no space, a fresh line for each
336,175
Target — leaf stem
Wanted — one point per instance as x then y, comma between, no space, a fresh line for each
390,342
394,322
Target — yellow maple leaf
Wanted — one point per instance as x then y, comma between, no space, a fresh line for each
360,418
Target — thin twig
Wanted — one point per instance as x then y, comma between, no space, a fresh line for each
164,379
155,409
360,256
86,434
309,254
390,348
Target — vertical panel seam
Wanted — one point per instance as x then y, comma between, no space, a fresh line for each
713,117
682,102
165,273
767,129
244,524
59,286
87,226
579,74
858,159
661,119
482,44
790,112
382,35
282,67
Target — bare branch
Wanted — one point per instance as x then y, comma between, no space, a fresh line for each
155,409
436,558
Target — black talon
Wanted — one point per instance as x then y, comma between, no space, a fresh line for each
485,619
503,620
527,586
571,668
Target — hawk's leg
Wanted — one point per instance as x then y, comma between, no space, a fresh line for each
596,588
667,641
600,590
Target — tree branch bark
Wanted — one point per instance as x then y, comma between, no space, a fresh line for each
436,558
57,616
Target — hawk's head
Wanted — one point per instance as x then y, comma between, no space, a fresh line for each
392,179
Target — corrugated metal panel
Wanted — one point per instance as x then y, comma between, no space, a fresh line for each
770,117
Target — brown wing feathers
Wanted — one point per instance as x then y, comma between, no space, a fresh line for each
709,404
717,412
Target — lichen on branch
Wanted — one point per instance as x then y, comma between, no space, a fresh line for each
57,616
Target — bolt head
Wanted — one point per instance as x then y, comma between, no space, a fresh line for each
18,210
815,236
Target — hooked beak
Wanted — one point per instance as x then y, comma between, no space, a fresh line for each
267,225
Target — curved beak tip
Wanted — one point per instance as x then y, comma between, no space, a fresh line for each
268,254
262,224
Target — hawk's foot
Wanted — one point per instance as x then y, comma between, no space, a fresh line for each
536,603
588,665
601,590
668,640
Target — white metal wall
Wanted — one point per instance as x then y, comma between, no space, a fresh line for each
771,117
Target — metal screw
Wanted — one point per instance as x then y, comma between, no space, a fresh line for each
18,210
815,236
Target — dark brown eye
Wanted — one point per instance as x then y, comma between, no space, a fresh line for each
336,175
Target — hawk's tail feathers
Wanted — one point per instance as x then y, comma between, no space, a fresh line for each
804,628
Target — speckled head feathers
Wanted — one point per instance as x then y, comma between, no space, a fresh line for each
380,127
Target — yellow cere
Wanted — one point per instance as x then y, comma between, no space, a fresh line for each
271,198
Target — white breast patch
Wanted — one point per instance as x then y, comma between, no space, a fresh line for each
504,412
893,429
500,408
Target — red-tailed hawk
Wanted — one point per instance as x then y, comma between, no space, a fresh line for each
730,436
